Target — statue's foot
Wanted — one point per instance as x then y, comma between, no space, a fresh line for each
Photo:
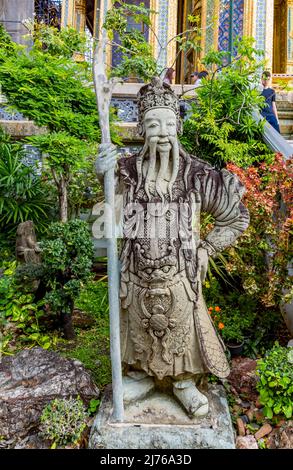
195,403
136,386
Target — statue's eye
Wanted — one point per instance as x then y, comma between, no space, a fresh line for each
166,269
149,271
153,125
171,124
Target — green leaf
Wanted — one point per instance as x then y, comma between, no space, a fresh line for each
268,412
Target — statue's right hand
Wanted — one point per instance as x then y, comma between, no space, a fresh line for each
107,158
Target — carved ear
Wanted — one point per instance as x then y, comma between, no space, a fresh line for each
140,129
179,126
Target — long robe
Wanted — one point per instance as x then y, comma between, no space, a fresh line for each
165,326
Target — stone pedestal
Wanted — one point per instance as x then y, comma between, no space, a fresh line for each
159,422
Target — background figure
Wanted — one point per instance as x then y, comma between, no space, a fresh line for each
203,74
194,78
169,76
269,112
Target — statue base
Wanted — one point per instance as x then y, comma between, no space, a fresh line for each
159,422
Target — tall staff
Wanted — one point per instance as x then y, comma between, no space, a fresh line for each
104,89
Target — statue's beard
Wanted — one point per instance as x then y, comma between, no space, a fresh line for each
165,150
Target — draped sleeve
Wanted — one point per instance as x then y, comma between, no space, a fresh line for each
221,193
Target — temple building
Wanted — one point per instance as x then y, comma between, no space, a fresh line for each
269,22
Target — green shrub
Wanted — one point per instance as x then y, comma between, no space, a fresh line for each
20,316
49,87
23,194
67,255
221,128
275,386
238,315
63,421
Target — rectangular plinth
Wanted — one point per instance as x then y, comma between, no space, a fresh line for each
159,422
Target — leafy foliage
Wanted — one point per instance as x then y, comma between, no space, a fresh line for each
240,316
261,256
276,382
230,323
20,316
221,128
137,56
66,154
248,285
63,421
67,255
23,194
93,406
66,42
48,86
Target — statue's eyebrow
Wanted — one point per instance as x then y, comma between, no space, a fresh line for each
151,119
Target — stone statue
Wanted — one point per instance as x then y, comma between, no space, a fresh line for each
168,338
28,254
27,248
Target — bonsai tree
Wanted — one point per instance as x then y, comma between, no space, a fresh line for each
66,157
67,256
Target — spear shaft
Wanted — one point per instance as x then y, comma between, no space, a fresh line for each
103,89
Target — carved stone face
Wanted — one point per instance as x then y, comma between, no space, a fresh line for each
161,149
160,123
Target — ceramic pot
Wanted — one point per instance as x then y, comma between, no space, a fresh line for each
235,348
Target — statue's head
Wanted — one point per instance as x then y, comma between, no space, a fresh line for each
158,99
159,123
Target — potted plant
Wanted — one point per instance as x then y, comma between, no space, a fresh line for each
229,323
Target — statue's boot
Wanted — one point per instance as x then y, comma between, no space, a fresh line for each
195,403
136,386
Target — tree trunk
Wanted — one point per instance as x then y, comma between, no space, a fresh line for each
66,322
63,200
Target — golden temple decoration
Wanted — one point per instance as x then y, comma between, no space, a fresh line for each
280,36
67,15
216,23
269,32
290,38
203,26
154,18
249,18
172,31
79,14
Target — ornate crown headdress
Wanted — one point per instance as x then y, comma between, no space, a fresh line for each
157,94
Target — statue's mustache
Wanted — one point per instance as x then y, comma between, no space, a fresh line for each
150,152
164,156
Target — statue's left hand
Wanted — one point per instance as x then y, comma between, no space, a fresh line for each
107,158
202,263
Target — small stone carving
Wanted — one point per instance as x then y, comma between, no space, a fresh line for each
27,249
166,331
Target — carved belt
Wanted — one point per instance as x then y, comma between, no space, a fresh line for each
168,283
